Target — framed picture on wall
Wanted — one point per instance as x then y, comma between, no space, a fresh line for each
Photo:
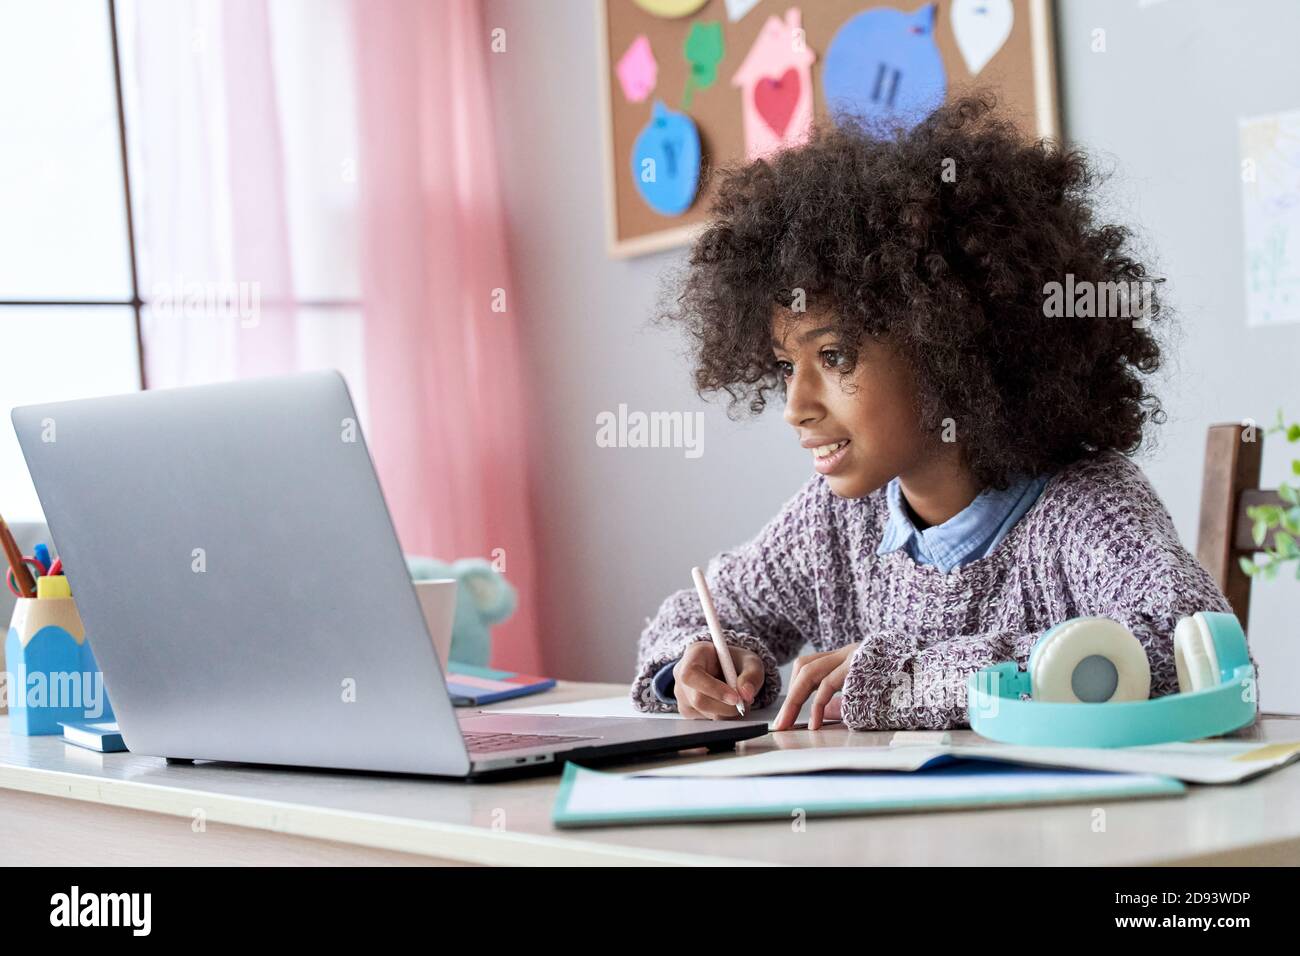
688,86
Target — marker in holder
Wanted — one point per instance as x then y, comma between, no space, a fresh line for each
53,675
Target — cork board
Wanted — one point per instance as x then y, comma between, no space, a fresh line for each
1019,66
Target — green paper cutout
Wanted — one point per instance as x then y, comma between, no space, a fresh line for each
704,49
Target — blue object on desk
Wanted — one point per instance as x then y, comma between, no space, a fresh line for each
472,686
42,554
53,674
101,736
589,798
1215,676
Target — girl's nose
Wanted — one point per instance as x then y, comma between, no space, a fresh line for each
801,405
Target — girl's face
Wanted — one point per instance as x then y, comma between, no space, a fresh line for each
861,429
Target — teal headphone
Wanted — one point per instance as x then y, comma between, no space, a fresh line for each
1087,661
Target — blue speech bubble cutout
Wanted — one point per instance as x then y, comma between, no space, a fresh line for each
883,65
666,161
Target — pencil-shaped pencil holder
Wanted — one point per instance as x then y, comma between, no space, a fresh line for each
53,675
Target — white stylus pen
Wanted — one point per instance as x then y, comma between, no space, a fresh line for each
719,643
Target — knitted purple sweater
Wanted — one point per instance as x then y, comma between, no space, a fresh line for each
1098,542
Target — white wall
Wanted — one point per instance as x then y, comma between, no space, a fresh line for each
620,528
1162,104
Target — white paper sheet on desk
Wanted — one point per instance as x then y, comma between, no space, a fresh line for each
1209,761
803,760
623,707
1198,761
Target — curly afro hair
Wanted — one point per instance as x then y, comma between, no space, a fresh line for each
944,238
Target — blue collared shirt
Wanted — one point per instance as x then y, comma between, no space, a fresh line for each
968,535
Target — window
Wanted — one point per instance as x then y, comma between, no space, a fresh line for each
75,283
67,310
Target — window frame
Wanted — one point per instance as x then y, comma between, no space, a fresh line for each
137,302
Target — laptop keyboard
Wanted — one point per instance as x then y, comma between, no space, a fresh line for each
482,742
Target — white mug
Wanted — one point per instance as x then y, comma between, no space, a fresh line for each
438,601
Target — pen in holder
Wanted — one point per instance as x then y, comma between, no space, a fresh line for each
53,675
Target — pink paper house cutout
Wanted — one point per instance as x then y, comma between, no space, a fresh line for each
775,83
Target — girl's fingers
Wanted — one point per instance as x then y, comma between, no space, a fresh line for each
825,691
751,673
785,717
710,709
801,687
833,708
801,662
698,680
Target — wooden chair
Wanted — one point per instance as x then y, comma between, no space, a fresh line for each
1230,486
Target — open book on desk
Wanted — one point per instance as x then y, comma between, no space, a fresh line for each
1201,761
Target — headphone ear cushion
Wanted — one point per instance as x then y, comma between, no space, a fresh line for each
1195,658
1089,660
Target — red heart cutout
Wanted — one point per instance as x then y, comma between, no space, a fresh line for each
775,99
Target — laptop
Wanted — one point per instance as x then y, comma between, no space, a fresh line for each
247,600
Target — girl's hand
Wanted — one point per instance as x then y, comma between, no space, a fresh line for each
821,676
702,692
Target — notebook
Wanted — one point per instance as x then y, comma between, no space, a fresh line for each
1202,761
472,686
591,798
104,737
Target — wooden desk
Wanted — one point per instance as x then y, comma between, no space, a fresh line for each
60,804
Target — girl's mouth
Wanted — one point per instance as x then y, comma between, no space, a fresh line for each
826,458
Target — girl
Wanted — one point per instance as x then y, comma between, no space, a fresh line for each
968,434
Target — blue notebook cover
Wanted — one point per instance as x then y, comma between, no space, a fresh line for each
103,736
472,686
589,798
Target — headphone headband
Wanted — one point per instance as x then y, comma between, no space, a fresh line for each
997,712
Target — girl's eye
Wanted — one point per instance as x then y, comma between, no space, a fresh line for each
785,369
833,358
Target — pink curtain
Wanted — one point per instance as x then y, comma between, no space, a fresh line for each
208,189
442,366
442,353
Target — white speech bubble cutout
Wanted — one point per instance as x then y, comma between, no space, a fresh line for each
738,8
981,27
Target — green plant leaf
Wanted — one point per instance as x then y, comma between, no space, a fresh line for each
1284,545
1291,521
1259,531
1288,494
1293,433
1247,565
1295,466
1270,570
